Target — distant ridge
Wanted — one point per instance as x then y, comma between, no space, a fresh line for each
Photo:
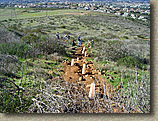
10,1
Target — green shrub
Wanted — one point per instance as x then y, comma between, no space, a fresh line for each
126,37
109,35
30,38
13,26
52,23
95,38
131,61
110,50
63,26
36,30
19,49
141,36
66,32
31,21
12,103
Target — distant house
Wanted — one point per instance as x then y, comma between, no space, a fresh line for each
144,19
133,16
144,13
141,17
107,11
20,6
111,6
125,15
147,11
87,8
118,13
125,9
131,9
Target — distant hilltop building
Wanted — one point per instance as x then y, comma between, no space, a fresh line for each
133,16
118,13
125,14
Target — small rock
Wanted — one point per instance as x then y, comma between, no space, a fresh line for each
86,75
99,73
80,78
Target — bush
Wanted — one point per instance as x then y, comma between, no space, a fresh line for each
52,23
110,50
109,36
36,30
14,26
12,98
19,49
131,61
126,37
31,21
63,26
141,36
96,39
8,36
66,32
50,45
30,38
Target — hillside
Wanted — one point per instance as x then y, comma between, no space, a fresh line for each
36,74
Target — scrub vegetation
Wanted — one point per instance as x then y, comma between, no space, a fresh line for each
31,61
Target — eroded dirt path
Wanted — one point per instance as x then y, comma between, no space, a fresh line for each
73,74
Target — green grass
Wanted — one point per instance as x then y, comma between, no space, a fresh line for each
33,23
18,49
6,13
114,73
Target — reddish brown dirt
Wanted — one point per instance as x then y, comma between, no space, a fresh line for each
73,74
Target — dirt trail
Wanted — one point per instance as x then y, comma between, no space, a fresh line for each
73,74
